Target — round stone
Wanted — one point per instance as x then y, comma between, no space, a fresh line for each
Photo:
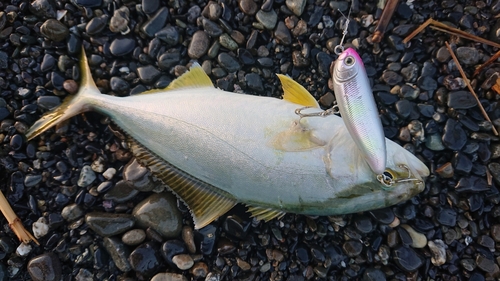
160,212
199,45
54,30
45,267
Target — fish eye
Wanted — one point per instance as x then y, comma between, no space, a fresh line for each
349,60
386,178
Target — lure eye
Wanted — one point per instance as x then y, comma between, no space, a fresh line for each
349,61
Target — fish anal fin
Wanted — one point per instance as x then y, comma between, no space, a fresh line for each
265,214
205,201
294,92
194,78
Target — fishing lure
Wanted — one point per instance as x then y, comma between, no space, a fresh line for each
357,106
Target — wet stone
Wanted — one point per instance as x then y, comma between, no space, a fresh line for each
404,108
88,3
467,55
156,22
32,180
160,212
374,274
145,259
461,163
267,19
352,248
282,34
447,217
183,261
168,276
48,63
443,55
245,56
363,224
121,192
119,20
87,176
324,61
72,212
118,252
122,46
418,239
461,100
454,136
150,6
54,30
391,78
169,35
254,82
228,62
96,25
148,74
427,83
134,237
199,270
248,7
407,259
171,248
485,264
438,250
199,45
211,28
119,86
45,267
227,42
384,216
43,8
446,170
296,6
109,224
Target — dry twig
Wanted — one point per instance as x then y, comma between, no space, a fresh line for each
451,30
490,61
384,20
14,221
467,82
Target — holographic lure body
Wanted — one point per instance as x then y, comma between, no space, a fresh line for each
358,109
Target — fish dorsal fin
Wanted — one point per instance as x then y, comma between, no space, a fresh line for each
265,214
205,201
195,77
294,92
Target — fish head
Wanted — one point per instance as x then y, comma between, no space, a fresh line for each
347,65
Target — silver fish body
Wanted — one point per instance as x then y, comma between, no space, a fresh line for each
358,109
215,149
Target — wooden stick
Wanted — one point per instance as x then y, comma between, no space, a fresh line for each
490,61
384,20
417,31
14,221
467,82
451,30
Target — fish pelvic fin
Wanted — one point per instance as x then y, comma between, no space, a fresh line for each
71,106
265,214
205,201
296,93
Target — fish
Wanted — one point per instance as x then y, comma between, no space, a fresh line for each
357,107
214,149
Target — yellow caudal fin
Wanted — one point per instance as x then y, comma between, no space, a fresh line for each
294,92
71,106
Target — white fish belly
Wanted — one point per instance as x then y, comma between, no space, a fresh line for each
225,139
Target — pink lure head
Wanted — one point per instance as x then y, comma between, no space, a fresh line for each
348,65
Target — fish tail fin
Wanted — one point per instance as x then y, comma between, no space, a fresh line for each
72,105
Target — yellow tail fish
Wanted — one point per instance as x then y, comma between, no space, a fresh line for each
215,149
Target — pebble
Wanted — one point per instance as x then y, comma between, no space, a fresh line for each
407,259
169,35
122,46
227,42
108,224
134,237
188,238
145,260
156,22
267,19
447,217
54,30
199,44
199,270
148,74
87,176
438,250
40,227
118,253
485,264
121,192
168,276
254,82
119,20
467,55
352,248
282,34
248,7
461,100
391,78
446,170
183,261
296,6
96,25
150,6
228,62
23,249
454,136
43,8
160,212
419,240
88,3
72,212
45,267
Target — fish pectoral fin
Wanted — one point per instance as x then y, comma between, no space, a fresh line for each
265,214
195,77
296,138
205,201
294,92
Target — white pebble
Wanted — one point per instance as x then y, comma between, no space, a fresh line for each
438,249
418,239
40,227
109,173
169,277
23,250
98,165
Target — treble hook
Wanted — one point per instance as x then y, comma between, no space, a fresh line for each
340,48
331,111
388,179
